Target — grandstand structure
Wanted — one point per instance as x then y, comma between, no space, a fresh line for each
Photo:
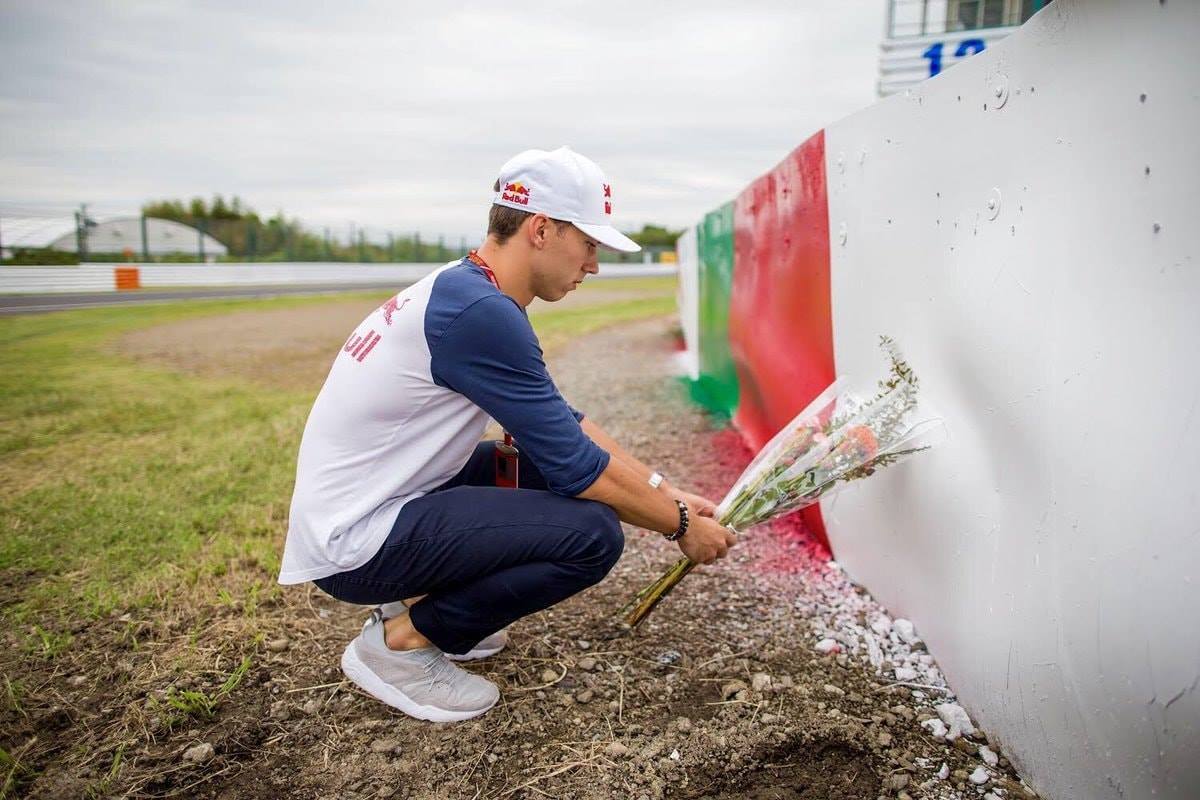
923,38
134,237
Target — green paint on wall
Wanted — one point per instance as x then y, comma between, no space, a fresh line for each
717,387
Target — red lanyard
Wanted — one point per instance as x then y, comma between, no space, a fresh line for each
509,452
478,261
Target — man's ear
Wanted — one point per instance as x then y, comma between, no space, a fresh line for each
537,230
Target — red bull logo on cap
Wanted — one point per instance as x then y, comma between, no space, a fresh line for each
607,200
515,193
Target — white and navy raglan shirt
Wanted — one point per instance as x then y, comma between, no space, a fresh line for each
404,406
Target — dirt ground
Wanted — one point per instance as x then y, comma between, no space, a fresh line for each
721,694
290,348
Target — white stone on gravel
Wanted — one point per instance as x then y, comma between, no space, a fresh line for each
944,772
906,631
989,757
827,646
882,626
760,682
956,719
980,776
874,652
199,754
906,674
935,727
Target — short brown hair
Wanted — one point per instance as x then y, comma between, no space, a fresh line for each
504,221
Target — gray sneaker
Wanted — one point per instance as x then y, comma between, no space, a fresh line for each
421,683
488,646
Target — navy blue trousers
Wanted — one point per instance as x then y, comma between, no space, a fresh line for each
485,556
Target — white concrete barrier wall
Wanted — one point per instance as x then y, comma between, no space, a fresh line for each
284,274
99,278
38,280
1026,226
688,300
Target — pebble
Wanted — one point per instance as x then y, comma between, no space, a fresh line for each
827,646
730,690
830,689
882,626
989,757
905,674
383,745
587,663
899,781
616,749
956,719
906,631
936,728
549,675
199,754
675,756
979,777
885,739
584,696
668,657
768,719
312,706
964,746
278,645
683,725
77,680
944,772
760,682
584,644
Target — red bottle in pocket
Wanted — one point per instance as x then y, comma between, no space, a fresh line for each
506,462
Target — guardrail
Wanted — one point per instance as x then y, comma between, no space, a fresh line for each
129,277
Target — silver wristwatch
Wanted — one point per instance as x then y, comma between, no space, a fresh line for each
656,480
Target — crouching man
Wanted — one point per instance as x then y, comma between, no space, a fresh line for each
396,501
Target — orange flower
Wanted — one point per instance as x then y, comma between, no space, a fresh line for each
860,442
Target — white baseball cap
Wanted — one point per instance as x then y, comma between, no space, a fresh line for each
565,186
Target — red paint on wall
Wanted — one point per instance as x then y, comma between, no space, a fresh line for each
780,316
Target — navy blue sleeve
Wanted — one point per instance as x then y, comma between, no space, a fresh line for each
490,355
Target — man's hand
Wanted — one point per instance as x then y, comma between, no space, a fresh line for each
700,506
706,541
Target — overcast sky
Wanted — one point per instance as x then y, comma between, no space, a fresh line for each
398,115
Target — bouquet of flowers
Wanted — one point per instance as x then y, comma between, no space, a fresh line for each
836,439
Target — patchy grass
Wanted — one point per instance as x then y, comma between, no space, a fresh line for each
121,481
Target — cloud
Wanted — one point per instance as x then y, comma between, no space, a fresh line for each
397,115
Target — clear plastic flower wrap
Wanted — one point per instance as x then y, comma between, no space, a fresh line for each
837,438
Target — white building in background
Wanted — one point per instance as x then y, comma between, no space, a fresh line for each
923,38
140,236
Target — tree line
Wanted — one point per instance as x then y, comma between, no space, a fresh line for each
250,236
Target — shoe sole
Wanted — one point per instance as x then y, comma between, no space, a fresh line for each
372,684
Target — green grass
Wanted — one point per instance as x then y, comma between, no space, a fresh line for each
121,481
